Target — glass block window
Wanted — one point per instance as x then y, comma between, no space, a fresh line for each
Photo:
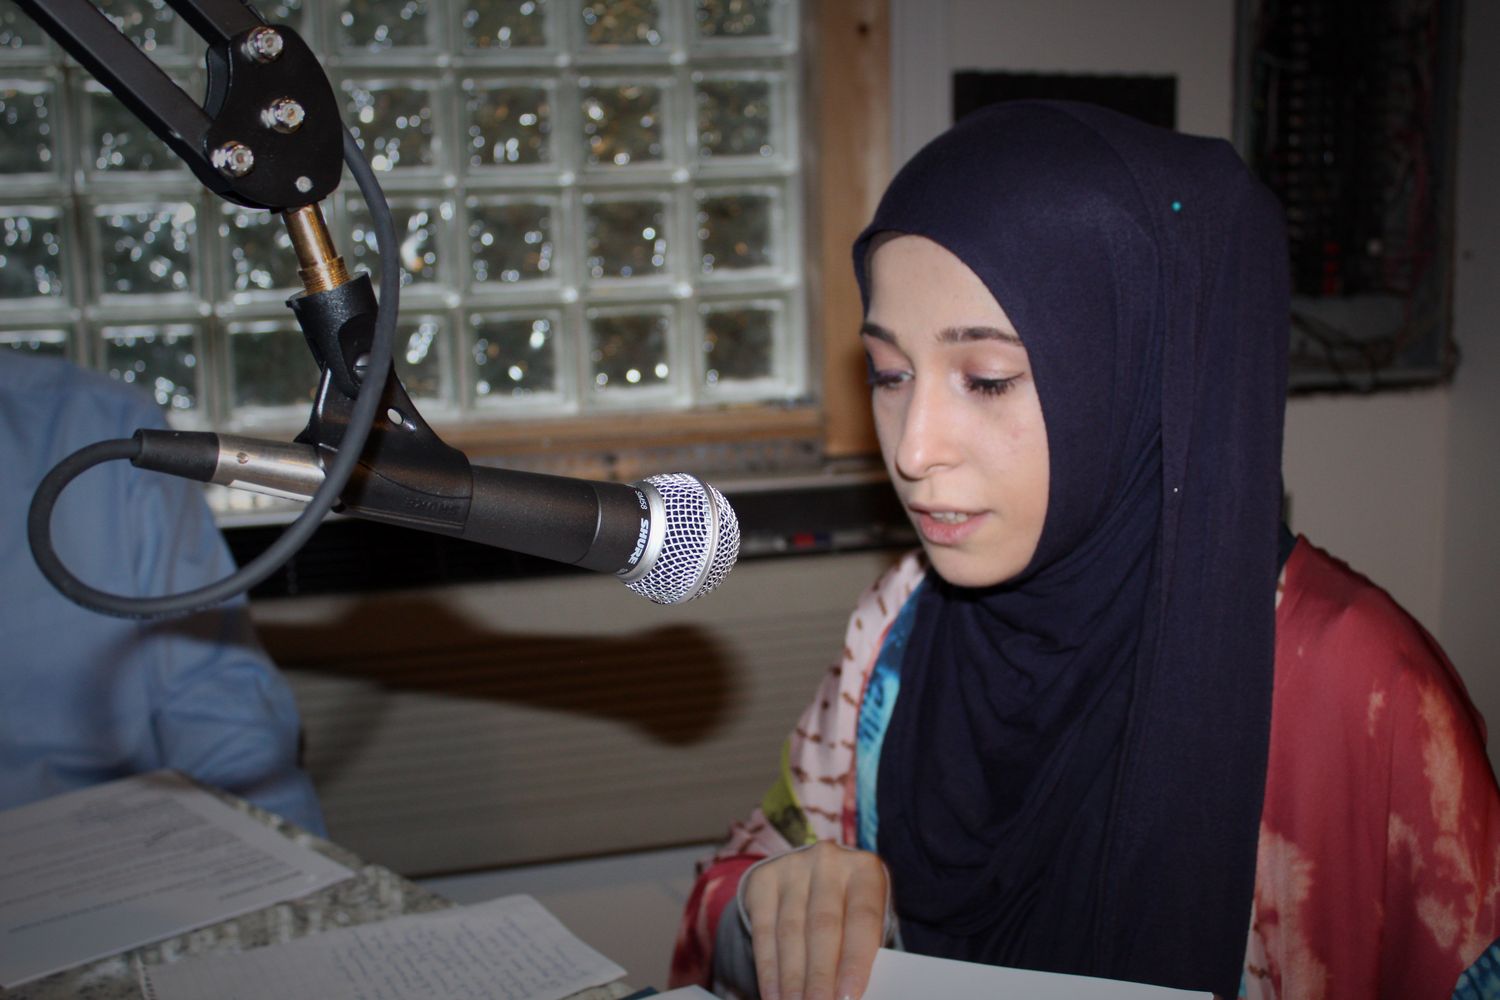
738,341
627,236
161,358
52,342
630,351
597,205
514,356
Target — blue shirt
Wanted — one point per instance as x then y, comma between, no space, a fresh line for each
87,698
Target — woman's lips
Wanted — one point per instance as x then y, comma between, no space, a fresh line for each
946,527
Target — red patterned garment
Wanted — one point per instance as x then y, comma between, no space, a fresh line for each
1378,872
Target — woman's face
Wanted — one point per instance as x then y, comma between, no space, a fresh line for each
957,412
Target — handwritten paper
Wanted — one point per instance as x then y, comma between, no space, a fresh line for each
899,975
109,868
506,949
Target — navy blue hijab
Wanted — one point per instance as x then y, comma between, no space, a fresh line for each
1073,773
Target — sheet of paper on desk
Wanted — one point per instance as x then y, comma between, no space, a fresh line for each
902,976
510,948
109,868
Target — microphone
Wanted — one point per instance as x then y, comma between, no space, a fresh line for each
669,538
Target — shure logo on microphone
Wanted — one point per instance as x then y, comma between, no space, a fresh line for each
640,542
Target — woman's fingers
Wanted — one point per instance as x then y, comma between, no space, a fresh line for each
864,930
826,902
763,898
817,918
791,945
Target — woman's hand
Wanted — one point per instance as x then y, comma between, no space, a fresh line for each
817,917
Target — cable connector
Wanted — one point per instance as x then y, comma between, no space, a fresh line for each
189,454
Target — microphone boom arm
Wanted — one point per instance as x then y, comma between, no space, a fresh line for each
269,136
240,150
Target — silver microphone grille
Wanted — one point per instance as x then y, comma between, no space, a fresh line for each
701,542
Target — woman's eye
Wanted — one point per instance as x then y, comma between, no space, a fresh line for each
884,379
990,386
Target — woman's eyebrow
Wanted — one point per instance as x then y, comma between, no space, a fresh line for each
965,334
947,335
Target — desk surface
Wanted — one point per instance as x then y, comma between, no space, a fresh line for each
374,893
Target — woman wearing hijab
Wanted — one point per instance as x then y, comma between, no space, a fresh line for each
1112,720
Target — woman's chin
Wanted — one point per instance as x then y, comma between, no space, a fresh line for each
963,569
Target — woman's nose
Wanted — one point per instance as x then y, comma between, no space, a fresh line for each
929,435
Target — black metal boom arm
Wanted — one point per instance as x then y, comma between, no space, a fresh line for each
268,134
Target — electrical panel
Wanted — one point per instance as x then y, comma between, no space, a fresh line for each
1346,111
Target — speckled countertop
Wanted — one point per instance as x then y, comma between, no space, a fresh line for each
375,893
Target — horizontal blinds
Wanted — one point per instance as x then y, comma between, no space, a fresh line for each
485,725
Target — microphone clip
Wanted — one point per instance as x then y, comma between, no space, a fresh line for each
407,474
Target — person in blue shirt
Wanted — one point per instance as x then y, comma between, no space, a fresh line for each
87,698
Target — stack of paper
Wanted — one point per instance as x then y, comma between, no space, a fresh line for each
506,949
901,976
109,868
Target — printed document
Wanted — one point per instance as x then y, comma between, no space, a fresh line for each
510,948
109,868
899,975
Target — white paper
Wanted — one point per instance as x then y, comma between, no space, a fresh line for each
109,868
510,948
899,975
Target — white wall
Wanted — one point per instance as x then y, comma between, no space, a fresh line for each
1367,478
1470,623
1404,486
1191,39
